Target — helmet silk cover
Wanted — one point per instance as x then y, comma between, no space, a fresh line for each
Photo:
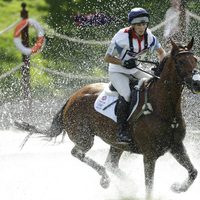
138,15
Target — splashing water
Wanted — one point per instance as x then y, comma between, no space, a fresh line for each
46,170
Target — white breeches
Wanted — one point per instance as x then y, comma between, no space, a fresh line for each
120,82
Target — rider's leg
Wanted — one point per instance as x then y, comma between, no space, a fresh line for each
121,84
122,115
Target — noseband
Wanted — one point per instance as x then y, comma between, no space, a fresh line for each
184,52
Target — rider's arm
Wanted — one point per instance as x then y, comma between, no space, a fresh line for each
112,59
112,54
115,48
161,53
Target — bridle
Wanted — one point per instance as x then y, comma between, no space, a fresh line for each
178,68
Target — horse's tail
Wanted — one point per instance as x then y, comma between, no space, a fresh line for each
56,128
57,125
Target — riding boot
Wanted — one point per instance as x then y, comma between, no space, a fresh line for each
122,115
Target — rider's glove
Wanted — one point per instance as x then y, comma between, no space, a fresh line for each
129,64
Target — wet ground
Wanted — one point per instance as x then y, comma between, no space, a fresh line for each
46,170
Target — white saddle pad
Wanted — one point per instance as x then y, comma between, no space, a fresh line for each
106,102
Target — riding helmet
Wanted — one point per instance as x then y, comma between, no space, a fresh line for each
138,15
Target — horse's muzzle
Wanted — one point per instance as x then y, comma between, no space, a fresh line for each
193,82
195,86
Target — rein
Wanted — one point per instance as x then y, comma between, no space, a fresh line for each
148,73
150,62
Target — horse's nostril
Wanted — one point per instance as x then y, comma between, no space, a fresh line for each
195,84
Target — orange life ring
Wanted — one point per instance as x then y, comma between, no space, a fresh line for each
40,37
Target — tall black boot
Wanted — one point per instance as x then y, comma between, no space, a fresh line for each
122,115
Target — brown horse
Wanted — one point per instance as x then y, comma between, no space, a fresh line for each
161,131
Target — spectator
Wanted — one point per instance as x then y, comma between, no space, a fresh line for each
79,19
96,19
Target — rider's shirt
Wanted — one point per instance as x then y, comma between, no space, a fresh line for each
120,48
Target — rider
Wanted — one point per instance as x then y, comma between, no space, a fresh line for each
121,55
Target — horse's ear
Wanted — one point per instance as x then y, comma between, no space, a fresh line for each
190,45
174,47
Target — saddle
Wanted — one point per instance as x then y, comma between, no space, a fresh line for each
134,91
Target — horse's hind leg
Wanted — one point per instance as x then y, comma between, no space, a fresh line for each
79,153
112,161
180,154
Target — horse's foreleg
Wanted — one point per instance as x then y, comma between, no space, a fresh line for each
149,167
112,161
180,154
80,154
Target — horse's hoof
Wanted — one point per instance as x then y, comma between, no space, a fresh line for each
105,182
193,175
178,188
186,184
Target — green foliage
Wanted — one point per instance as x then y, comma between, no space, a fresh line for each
69,56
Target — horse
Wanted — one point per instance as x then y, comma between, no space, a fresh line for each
154,134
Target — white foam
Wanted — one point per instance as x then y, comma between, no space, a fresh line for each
47,171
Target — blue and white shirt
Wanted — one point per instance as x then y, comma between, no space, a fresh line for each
119,47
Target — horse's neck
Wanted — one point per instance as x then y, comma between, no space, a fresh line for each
167,93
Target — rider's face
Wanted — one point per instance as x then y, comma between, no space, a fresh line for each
140,28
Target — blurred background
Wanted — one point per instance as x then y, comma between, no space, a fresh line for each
77,36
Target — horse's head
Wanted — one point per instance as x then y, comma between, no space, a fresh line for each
186,65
